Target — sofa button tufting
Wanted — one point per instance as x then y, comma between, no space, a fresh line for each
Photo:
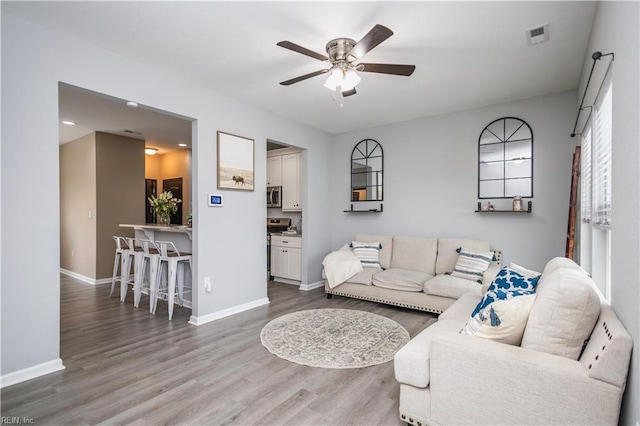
597,356
402,416
410,420
419,424
604,347
589,366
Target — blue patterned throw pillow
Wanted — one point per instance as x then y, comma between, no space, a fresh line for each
509,280
493,295
505,286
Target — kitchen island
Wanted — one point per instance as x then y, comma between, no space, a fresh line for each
179,235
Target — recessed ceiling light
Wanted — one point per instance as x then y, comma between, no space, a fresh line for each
182,144
69,123
132,104
150,151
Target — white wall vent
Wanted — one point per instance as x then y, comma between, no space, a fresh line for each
538,34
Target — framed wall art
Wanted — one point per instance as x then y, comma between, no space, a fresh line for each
236,162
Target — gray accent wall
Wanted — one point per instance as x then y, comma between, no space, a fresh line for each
431,180
228,243
616,29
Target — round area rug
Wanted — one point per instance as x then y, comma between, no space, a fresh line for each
334,338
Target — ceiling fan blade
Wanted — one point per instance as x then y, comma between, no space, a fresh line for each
303,77
303,50
349,92
377,35
394,69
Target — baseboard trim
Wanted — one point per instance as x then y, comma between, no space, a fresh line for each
85,279
31,373
311,286
228,312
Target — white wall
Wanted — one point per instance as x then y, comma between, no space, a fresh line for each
431,180
616,29
229,241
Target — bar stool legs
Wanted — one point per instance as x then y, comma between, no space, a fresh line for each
121,246
175,261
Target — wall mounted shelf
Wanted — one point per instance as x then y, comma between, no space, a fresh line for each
528,210
364,211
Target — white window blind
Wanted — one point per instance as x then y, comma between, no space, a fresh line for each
602,162
585,177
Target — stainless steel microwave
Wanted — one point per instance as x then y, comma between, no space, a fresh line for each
274,196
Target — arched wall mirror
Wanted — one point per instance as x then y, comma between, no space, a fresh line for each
366,171
505,159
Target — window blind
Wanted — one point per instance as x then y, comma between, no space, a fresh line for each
585,177
602,162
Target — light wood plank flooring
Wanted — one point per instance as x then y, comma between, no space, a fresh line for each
125,366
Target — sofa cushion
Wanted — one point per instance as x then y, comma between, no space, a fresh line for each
417,254
565,312
411,362
503,320
471,265
447,255
450,286
401,279
386,243
367,253
509,280
365,277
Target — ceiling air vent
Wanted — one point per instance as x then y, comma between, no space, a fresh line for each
537,35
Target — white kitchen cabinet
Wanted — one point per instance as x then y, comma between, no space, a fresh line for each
286,256
291,182
274,171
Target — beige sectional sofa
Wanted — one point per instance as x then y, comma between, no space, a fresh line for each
570,368
415,272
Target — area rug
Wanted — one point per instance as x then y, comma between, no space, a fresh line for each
334,338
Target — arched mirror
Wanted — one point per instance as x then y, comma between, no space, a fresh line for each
505,156
366,171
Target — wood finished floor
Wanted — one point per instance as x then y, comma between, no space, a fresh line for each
125,366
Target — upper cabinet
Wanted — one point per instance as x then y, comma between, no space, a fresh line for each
274,171
292,182
505,159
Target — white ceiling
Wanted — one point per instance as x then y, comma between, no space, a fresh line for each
467,54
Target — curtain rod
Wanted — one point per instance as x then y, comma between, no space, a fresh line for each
596,57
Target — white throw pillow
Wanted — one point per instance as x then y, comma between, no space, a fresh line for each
471,265
524,271
368,253
503,320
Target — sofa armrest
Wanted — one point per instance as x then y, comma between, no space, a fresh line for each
474,380
411,362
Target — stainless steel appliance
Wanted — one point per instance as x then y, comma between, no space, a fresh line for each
274,225
274,196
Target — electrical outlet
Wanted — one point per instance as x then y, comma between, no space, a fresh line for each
207,284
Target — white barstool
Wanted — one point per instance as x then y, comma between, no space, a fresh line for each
175,262
128,260
148,256
122,250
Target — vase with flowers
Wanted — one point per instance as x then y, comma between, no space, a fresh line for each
164,205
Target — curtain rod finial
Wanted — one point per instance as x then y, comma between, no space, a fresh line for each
573,135
596,55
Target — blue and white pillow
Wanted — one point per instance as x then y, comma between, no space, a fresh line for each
510,280
471,265
368,253
493,295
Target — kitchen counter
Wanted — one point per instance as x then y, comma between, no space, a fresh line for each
180,235
284,234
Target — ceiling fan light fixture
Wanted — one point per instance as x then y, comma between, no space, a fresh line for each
345,79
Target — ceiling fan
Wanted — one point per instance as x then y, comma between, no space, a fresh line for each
342,53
